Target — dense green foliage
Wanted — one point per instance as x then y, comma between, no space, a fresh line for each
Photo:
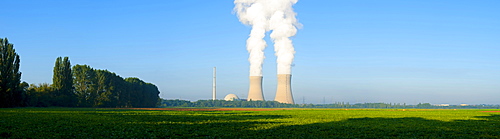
83,86
142,94
85,83
11,91
94,88
223,103
295,123
62,83
40,95
80,86
274,104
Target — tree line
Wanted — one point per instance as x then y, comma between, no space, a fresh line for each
223,103
275,104
72,86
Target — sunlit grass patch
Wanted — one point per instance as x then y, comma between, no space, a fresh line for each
295,123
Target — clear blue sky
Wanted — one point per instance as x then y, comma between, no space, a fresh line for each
397,51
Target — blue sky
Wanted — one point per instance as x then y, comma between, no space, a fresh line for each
352,51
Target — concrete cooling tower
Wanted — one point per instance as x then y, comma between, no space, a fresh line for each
255,90
284,89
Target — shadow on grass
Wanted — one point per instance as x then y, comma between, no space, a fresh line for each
243,126
232,125
410,127
129,124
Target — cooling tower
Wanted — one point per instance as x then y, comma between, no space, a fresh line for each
284,89
255,90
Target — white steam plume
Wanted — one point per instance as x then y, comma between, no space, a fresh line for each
265,15
283,24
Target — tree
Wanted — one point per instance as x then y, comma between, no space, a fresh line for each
85,84
40,95
101,88
142,94
62,82
11,94
135,91
23,88
109,87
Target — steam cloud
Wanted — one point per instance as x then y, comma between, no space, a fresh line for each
263,16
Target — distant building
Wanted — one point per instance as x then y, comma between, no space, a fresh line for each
231,97
442,105
464,104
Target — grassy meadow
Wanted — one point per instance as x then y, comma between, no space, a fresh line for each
248,123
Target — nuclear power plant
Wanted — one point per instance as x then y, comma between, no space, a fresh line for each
284,89
255,89
278,17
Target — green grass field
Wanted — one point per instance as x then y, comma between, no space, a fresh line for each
295,123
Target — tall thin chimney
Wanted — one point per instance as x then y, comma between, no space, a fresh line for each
214,85
255,90
284,89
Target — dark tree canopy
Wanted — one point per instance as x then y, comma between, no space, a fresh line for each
80,86
91,88
85,84
142,94
11,93
41,95
62,82
102,88
62,79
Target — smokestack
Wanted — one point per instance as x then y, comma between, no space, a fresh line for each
214,85
255,90
284,90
